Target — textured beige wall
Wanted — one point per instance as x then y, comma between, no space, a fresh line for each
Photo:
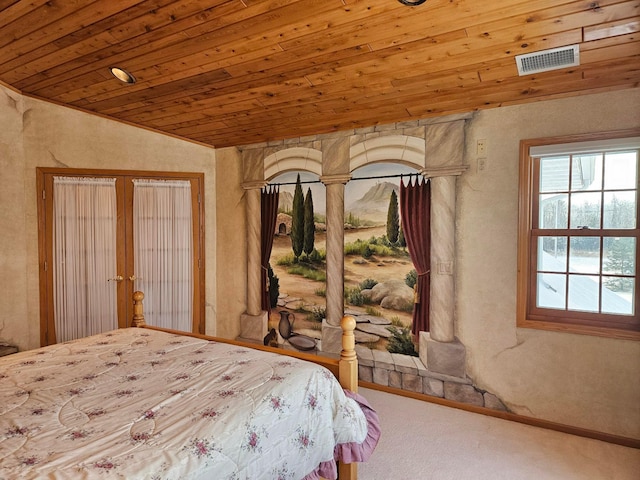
580,380
231,260
40,134
14,326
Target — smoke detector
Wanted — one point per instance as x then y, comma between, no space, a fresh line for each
545,60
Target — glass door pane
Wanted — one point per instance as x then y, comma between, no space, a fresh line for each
163,251
85,269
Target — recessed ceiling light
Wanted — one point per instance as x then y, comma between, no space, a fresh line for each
122,75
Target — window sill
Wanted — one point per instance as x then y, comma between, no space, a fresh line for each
580,329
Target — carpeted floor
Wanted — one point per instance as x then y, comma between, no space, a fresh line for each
426,441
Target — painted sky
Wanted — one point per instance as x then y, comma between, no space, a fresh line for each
354,190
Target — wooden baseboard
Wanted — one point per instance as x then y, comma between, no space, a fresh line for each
535,422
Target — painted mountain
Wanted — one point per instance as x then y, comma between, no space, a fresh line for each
374,204
285,201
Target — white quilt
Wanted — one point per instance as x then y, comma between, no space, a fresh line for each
141,404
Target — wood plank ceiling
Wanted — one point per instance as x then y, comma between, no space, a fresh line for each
237,72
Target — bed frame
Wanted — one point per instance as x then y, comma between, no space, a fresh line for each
345,368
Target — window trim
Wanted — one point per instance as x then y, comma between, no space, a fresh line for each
524,318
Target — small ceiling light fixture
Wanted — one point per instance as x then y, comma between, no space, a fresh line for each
122,75
412,3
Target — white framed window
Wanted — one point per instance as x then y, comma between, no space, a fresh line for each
578,234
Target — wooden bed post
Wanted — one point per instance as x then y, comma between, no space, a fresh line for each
348,369
138,315
348,377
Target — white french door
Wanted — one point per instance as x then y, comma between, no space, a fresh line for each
163,250
84,255
104,235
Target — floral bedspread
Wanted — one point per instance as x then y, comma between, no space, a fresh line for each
142,404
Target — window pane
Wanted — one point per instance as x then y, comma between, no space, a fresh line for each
552,254
620,209
553,211
584,256
554,174
551,290
619,256
585,210
618,300
583,293
621,170
617,295
587,172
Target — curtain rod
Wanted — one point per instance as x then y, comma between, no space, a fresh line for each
353,179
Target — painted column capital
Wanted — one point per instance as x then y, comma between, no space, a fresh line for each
254,184
333,179
445,171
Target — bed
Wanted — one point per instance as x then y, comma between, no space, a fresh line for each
147,403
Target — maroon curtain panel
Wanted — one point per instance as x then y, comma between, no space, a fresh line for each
415,212
268,215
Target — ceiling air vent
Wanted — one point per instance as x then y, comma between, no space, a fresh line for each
546,60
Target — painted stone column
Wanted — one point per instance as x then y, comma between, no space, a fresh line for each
443,352
253,323
439,348
331,330
441,302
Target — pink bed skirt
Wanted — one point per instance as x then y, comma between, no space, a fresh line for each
351,452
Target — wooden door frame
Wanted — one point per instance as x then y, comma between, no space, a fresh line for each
125,289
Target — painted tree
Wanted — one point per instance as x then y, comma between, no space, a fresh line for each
297,220
393,219
309,224
401,240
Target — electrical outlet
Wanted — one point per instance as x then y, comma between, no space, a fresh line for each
482,148
482,164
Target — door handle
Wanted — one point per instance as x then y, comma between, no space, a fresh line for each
117,278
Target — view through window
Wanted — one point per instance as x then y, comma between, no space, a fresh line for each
584,235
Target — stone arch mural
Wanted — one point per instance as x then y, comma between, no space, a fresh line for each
434,149
290,159
403,149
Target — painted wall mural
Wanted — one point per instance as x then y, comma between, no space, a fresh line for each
379,275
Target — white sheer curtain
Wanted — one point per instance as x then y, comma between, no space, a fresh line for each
84,256
163,251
